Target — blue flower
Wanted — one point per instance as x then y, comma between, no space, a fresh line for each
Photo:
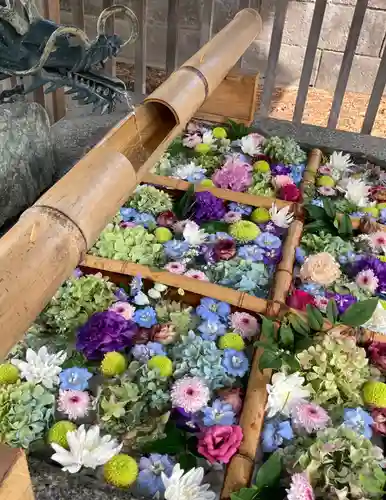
235,362
240,208
358,420
359,215
300,255
251,252
272,256
141,353
129,214
219,413
297,172
317,202
382,215
268,241
145,317
146,220
136,285
211,329
149,480
274,433
74,378
346,258
176,249
121,295
156,349
312,289
211,309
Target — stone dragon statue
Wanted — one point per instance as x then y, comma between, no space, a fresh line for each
58,56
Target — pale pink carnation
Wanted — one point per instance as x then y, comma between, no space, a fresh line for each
197,275
245,324
321,302
325,170
309,416
300,488
367,280
175,267
123,309
190,393
235,175
191,140
231,217
74,404
378,239
327,191
282,180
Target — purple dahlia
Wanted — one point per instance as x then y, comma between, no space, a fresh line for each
105,332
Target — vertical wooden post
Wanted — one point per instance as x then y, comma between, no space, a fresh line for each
77,9
111,65
15,481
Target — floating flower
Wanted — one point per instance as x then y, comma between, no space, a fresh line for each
121,295
377,322
377,354
224,249
252,253
41,367
235,175
220,442
74,404
197,275
86,449
77,273
326,191
157,290
166,219
357,192
74,378
340,161
268,241
141,299
211,329
231,217
193,234
282,180
290,192
235,362
143,352
274,433
149,480
299,300
240,207
379,420
309,416
343,302
124,309
191,140
244,231
180,486
220,413
251,144
145,317
176,249
245,324
164,334
325,170
300,488
321,268
175,267
367,280
282,217
189,172
190,393
358,420
208,207
285,391
378,240
232,397
212,309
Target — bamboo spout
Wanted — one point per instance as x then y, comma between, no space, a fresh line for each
51,237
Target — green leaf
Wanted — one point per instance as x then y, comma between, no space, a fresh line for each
292,362
286,335
314,316
360,312
187,461
246,494
267,329
345,226
267,346
213,227
316,226
173,444
329,208
270,359
332,311
315,213
185,203
236,130
269,473
300,326
303,344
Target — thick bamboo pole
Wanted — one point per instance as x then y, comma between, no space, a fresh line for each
42,249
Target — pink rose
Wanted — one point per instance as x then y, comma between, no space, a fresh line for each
299,300
290,193
220,442
377,354
282,180
233,397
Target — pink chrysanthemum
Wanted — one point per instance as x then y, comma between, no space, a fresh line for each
321,302
175,267
231,217
244,323
124,309
327,191
197,275
367,280
74,404
190,393
378,239
325,170
309,416
300,488
282,180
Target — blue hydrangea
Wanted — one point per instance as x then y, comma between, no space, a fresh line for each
129,214
146,220
74,378
297,172
358,420
211,329
300,255
121,295
143,352
197,357
149,480
274,434
176,249
252,253
235,362
212,310
240,208
146,317
219,413
268,241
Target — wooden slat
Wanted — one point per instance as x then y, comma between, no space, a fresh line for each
77,9
309,58
140,51
111,65
172,37
243,4
273,57
206,22
348,57
375,98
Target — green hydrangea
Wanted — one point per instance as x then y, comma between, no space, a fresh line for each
75,302
209,162
339,463
261,184
134,244
151,200
178,314
336,369
164,165
284,150
26,412
316,243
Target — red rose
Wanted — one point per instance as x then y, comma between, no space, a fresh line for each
299,300
290,193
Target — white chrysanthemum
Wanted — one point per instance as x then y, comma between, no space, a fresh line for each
180,486
193,234
41,367
86,449
282,217
283,392
377,322
357,192
251,144
340,161
188,171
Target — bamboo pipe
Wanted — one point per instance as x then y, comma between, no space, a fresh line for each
51,237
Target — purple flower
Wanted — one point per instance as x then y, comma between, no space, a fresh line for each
219,413
187,421
252,253
270,227
358,420
143,352
149,480
268,241
121,295
366,262
105,332
77,273
240,207
208,207
343,302
280,169
272,256
212,309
